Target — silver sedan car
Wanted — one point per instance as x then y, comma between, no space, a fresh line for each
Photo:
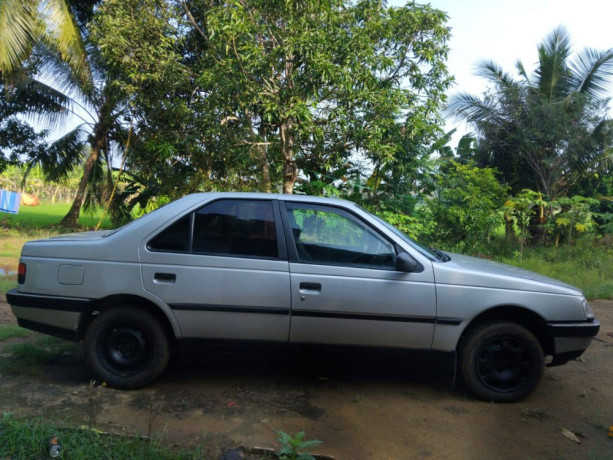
298,270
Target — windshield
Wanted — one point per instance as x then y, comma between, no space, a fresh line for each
430,253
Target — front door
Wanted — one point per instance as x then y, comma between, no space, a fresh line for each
345,286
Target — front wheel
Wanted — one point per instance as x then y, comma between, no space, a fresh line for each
126,347
501,361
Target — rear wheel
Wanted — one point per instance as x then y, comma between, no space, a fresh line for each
501,361
127,347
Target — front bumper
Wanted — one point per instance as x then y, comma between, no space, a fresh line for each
570,340
54,315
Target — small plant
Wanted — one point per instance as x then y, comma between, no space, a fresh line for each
292,447
92,404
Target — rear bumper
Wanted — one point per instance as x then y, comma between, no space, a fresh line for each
571,339
54,315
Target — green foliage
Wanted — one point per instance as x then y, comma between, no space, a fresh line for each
26,439
575,215
292,447
466,208
419,225
17,138
244,95
24,24
521,209
606,226
152,205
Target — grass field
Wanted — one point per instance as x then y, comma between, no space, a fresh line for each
48,215
588,266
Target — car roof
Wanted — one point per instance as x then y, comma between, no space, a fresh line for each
271,196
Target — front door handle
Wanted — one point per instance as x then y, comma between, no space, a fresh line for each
165,277
310,286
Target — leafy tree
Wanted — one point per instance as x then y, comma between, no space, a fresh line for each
575,215
467,205
265,92
16,139
543,131
521,210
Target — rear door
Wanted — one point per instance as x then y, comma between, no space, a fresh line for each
345,286
223,270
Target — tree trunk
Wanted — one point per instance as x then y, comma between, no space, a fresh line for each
97,143
72,218
509,227
262,147
290,170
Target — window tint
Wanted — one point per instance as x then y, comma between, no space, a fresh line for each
236,227
326,235
174,238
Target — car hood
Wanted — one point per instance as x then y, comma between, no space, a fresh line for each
472,271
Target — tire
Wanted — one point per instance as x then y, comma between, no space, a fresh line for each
501,361
126,347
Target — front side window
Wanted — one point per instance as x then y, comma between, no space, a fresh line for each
330,236
224,227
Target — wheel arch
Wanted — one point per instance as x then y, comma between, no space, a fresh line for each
106,303
532,321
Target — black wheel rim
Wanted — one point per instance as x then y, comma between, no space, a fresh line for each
504,364
125,348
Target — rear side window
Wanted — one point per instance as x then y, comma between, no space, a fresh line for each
236,227
175,238
225,227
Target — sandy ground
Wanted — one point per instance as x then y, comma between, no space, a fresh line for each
360,406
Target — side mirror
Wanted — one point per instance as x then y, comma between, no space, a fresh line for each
405,263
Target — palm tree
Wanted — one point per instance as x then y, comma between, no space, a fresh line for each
69,80
97,107
26,23
542,131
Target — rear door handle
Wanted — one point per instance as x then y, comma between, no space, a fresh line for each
165,277
310,286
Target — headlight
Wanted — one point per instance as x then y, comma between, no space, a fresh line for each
589,314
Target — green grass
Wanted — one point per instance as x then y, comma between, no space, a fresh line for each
27,439
9,331
47,215
7,284
32,356
588,266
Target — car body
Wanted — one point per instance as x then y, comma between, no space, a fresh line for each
292,269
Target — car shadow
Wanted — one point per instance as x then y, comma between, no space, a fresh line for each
197,359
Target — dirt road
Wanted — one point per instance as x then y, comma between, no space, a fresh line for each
361,407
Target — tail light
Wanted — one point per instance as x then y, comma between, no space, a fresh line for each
21,273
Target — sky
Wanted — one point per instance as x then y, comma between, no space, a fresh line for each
509,30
